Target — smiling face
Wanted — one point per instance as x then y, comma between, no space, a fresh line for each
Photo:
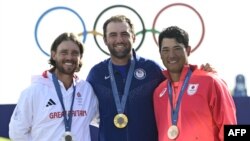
119,39
174,55
67,57
174,49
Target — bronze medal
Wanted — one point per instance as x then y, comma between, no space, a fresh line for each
120,120
68,136
173,132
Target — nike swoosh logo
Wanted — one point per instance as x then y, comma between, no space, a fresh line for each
106,77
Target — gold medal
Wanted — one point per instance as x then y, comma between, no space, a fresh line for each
120,120
173,132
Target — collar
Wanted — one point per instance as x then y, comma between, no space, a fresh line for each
183,72
47,74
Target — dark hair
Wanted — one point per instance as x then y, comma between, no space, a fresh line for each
66,37
117,18
175,32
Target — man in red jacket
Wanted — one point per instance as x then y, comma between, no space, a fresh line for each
190,104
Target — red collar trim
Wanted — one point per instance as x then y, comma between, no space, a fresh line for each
45,75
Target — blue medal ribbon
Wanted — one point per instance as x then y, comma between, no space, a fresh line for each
175,111
120,104
67,121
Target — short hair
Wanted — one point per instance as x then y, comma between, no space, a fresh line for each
66,37
175,32
118,18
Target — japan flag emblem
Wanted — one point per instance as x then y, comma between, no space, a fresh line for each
192,89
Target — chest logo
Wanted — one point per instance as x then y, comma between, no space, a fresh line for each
163,92
192,89
106,77
140,73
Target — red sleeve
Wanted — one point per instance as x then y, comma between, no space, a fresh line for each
223,107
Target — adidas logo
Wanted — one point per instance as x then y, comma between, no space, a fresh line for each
50,102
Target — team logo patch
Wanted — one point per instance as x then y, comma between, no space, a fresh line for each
79,94
140,73
192,89
79,99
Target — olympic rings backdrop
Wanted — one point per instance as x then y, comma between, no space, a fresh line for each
27,29
95,33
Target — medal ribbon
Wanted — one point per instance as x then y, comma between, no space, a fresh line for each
175,111
67,121
120,105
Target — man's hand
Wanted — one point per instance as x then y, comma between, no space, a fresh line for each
207,67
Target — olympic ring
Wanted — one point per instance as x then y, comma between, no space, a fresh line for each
115,6
185,5
57,8
143,32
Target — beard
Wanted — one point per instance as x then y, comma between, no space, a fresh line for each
66,70
119,53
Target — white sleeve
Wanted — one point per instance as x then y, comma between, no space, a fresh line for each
96,120
21,120
91,103
96,116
